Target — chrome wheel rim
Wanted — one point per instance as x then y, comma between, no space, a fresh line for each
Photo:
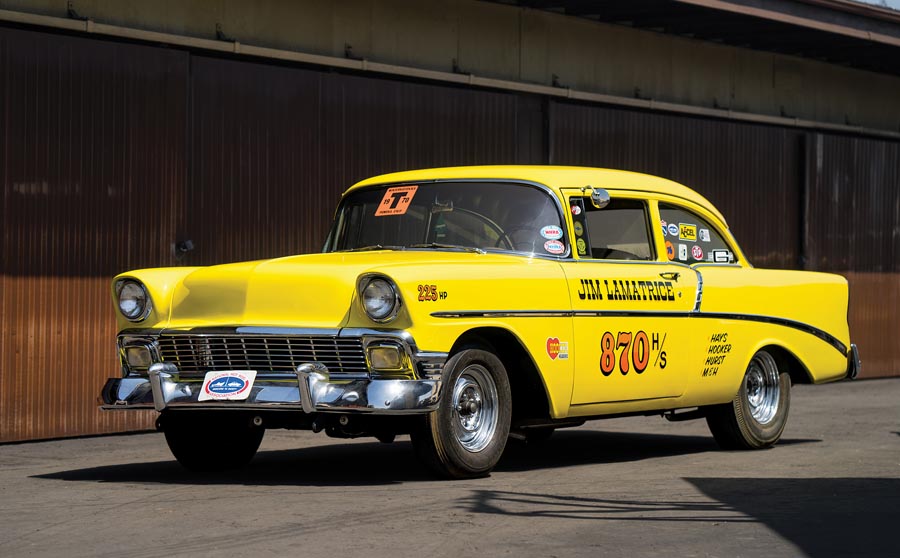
475,408
763,388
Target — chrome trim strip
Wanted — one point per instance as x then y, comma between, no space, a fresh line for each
699,298
806,328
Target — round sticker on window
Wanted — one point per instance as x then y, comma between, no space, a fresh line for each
582,246
554,247
551,232
697,252
576,210
579,229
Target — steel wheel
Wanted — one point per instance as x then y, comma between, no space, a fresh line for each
475,411
466,435
763,387
756,416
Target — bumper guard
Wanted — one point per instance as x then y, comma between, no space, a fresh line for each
310,390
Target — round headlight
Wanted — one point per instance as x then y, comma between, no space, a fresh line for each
134,302
380,300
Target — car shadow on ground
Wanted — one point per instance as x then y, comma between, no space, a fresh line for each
822,517
368,464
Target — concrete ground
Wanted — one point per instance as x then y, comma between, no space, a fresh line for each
624,487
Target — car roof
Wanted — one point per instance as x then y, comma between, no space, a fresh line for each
554,177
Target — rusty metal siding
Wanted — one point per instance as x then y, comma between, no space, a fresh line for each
854,204
751,173
854,229
274,147
92,159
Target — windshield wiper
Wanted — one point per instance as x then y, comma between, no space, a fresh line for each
450,247
373,247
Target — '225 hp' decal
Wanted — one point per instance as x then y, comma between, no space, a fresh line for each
430,293
636,351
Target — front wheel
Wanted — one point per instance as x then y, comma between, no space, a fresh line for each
466,435
211,441
756,416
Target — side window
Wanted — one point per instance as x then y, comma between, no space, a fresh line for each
619,231
690,239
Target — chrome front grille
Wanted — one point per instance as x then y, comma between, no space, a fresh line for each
199,354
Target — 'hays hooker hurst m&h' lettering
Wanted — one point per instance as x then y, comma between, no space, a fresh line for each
617,289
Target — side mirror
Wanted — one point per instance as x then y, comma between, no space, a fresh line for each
599,196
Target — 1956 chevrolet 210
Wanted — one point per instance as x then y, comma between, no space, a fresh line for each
466,305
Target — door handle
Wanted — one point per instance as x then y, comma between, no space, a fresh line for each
670,275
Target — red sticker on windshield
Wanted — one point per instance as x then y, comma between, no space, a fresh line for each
396,200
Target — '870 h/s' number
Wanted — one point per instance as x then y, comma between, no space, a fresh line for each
635,352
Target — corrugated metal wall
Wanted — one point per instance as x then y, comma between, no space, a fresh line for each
92,163
854,229
112,152
265,182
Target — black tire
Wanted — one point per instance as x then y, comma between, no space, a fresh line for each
466,435
756,417
211,441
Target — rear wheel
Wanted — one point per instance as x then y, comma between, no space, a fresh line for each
211,441
466,435
756,416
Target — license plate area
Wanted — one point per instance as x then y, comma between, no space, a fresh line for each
227,385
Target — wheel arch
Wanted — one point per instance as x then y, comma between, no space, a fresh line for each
529,394
788,361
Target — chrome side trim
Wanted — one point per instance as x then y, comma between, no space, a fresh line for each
699,298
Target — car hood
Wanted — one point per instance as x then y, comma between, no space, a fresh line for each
314,290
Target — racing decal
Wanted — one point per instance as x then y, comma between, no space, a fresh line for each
554,247
227,385
673,229
396,200
626,289
687,232
670,250
551,232
582,247
557,349
579,228
635,352
682,252
665,226
697,252
430,293
576,210
718,350
722,256
704,235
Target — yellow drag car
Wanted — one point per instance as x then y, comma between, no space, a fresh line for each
463,306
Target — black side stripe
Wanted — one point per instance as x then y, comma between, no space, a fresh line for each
800,326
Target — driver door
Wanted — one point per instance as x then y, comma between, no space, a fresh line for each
630,305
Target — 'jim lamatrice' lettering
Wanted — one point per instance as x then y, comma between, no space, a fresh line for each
626,289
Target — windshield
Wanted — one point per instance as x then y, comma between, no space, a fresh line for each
478,216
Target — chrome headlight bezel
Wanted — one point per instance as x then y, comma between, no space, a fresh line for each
379,298
136,291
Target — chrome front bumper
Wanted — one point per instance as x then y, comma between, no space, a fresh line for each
309,390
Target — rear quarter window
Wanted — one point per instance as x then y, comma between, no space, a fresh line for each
691,239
